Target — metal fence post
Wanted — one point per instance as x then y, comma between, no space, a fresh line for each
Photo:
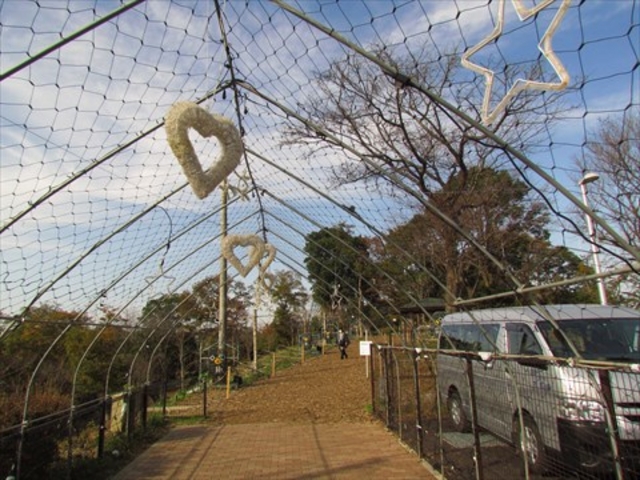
102,428
21,440
131,413
614,435
164,397
416,379
387,384
373,382
204,397
477,451
145,401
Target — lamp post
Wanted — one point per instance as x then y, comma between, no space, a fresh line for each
590,178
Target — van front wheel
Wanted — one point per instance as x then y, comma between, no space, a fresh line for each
456,413
531,445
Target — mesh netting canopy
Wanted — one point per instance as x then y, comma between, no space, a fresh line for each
350,112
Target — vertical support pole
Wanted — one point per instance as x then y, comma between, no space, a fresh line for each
102,428
145,404
477,451
595,249
360,327
228,381
131,413
324,331
21,441
387,379
366,368
416,379
612,423
204,397
273,364
255,340
200,349
373,380
70,443
222,293
164,394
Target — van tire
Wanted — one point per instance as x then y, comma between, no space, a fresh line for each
534,446
456,413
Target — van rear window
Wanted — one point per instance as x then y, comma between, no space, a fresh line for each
469,337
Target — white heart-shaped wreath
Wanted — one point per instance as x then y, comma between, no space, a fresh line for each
270,250
257,249
267,280
185,115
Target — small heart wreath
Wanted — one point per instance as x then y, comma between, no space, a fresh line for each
257,250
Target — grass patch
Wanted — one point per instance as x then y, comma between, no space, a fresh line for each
284,358
187,421
120,449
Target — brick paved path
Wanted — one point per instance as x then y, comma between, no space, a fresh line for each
277,451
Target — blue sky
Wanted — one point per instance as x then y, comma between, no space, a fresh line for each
91,110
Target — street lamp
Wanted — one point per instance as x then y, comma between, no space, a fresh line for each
590,178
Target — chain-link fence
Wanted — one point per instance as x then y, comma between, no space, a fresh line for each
510,416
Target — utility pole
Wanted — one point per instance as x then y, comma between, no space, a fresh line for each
595,250
222,306
255,339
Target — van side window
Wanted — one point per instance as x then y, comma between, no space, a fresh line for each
521,340
448,338
469,337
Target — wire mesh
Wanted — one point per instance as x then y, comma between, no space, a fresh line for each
486,443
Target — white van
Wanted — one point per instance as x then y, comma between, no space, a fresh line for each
563,404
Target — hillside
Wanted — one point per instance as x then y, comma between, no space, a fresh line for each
323,389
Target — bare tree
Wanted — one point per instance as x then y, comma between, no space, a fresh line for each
614,154
399,132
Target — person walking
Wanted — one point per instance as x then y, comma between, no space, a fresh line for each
343,343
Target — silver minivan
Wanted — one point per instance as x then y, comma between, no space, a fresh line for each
568,406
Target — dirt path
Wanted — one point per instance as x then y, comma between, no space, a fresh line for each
324,389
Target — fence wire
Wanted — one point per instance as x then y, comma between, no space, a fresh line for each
468,417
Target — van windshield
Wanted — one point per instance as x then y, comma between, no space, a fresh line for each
595,338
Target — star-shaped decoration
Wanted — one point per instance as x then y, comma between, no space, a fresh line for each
152,279
242,189
544,46
161,273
